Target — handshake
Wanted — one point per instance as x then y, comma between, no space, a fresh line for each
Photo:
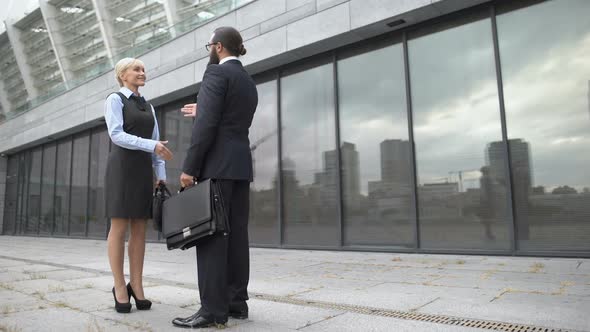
189,111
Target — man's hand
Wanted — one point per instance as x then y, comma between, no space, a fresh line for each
162,151
186,180
160,182
189,110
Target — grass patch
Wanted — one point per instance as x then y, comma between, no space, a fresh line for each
37,276
89,285
94,327
460,262
537,268
57,289
61,304
39,295
562,289
142,326
6,286
487,274
396,259
9,328
6,309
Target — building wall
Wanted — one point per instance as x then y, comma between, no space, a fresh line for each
418,140
277,32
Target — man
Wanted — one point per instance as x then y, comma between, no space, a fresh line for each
220,150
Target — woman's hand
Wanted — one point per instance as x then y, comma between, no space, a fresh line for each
189,110
162,151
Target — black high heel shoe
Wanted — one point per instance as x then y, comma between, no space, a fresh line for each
122,308
140,304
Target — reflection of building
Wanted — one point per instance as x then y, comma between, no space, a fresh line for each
439,200
522,184
351,178
520,158
395,170
351,183
394,160
392,194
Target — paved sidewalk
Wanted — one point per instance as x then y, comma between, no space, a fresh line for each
49,284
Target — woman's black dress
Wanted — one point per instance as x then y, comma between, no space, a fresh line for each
129,175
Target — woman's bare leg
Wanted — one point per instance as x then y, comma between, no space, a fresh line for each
136,256
116,251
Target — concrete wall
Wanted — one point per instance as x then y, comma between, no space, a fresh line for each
276,32
3,173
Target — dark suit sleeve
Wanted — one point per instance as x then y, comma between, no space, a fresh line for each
210,103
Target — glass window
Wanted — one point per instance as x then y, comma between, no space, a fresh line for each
546,79
62,186
33,191
310,173
264,219
79,191
10,203
48,189
99,153
177,131
21,197
375,153
462,189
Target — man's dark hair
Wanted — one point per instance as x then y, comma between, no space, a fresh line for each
231,39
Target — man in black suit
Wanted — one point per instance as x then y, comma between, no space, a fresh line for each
220,149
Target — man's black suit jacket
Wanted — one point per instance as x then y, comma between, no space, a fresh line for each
220,148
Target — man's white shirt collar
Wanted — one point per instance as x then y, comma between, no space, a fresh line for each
226,59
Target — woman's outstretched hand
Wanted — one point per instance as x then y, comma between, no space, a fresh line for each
162,151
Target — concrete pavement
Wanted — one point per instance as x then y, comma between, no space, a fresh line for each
50,284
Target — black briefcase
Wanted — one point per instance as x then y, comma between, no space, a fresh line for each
193,215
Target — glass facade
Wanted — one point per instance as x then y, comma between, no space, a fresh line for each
462,187
309,161
375,154
468,134
547,98
264,193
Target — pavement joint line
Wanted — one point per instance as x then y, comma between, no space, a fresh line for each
425,304
321,321
373,311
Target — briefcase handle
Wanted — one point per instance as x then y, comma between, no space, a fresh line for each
183,188
161,187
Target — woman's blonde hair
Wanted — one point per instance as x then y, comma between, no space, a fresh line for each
123,65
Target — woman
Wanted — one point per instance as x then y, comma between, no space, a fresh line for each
133,129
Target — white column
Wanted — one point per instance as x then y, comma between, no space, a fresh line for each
6,107
49,14
23,66
3,174
171,7
107,29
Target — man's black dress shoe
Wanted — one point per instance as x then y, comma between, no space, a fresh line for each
238,313
196,321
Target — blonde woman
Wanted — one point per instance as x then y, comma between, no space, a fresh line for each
133,129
